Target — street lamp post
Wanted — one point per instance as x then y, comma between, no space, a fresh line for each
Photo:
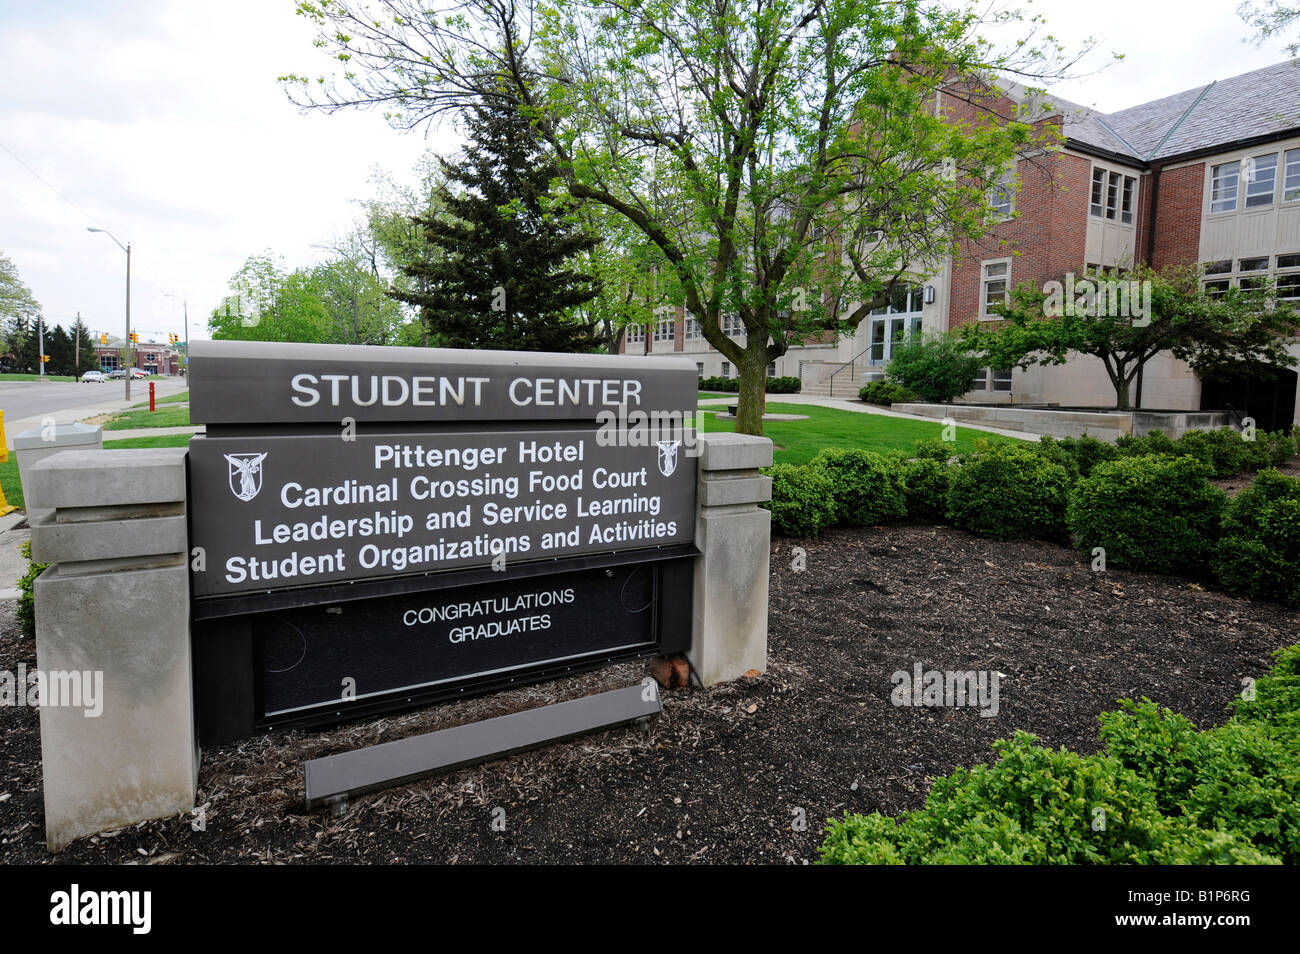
127,341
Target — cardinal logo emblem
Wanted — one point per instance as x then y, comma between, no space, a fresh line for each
245,474
668,457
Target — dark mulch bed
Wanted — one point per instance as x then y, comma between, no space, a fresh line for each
726,774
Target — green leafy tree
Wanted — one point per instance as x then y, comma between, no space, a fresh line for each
16,299
501,273
1236,333
266,303
758,146
1272,18
355,296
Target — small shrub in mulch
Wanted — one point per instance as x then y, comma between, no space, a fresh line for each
803,500
1259,553
1003,491
867,487
1148,513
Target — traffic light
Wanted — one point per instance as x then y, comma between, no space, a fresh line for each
103,339
135,337
44,358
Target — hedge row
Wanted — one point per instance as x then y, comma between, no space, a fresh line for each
886,392
786,385
1152,512
1159,792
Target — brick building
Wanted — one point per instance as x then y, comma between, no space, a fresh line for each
1209,176
147,356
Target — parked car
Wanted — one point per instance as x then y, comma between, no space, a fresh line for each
136,374
96,377
117,374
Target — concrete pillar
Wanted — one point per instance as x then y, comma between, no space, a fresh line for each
113,607
34,445
729,632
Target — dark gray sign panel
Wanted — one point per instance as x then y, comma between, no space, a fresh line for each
253,382
332,657
279,511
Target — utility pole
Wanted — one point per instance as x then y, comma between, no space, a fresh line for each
40,331
76,348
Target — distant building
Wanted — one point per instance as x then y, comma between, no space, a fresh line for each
1209,176
147,356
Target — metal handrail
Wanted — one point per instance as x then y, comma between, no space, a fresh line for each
852,361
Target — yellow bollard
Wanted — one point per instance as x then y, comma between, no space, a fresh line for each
5,506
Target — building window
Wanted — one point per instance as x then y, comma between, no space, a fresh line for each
732,325
1261,180
1218,268
726,369
699,368
1253,264
1002,379
1291,177
693,330
1098,205
1002,195
1223,186
980,381
664,330
634,333
1288,282
993,287
771,370
1216,289
1126,200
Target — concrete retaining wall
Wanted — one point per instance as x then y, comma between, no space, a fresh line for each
1061,422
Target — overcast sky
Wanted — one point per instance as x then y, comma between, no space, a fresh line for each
162,121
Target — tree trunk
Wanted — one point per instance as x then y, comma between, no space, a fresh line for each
753,391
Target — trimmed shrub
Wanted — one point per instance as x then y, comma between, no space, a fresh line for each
1088,452
1049,448
925,483
26,611
1281,446
1006,491
933,448
785,385
867,488
1156,442
1259,553
886,392
1148,513
803,500
938,369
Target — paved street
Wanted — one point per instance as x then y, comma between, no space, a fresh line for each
26,403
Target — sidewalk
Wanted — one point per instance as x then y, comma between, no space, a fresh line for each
97,404
857,407
12,563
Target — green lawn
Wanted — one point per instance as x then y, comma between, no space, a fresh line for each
165,417
36,377
9,469
716,394
182,398
799,441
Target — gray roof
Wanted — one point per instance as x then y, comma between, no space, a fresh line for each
1264,102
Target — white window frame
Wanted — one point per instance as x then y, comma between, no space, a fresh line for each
986,279
1231,170
1258,198
1002,195
634,334
664,330
1291,175
693,331
726,369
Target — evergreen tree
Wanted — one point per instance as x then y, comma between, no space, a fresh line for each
497,269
